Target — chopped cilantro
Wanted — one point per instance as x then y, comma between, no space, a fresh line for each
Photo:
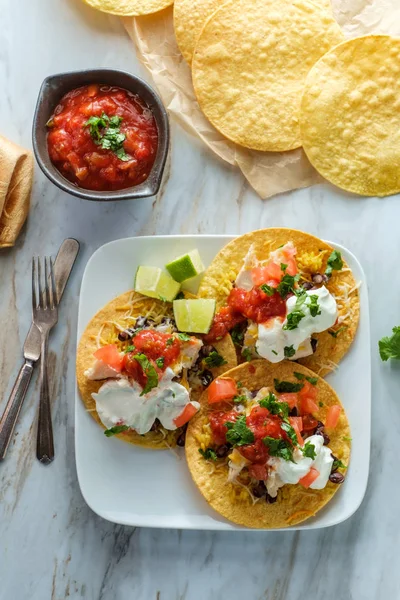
214,359
160,362
389,347
237,335
314,306
337,464
289,351
297,314
184,337
287,387
283,267
274,352
149,371
287,285
208,454
247,354
335,263
289,430
238,433
274,406
320,404
162,298
312,380
239,384
299,376
334,333
346,438
115,430
240,399
105,132
279,447
309,450
170,341
267,289
129,349
180,296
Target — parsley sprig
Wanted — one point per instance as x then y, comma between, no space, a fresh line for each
389,347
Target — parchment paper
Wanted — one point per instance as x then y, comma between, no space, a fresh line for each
268,173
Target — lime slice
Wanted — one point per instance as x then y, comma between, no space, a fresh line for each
153,282
185,267
194,316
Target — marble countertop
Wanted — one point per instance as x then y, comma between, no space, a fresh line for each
52,545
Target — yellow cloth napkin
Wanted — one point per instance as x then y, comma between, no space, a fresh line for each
16,174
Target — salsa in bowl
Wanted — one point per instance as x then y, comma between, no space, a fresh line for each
101,135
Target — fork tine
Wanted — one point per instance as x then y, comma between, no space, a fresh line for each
34,301
54,299
46,282
40,286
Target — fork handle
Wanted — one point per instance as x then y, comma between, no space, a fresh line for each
14,404
45,444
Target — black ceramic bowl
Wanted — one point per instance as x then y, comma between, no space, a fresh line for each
53,89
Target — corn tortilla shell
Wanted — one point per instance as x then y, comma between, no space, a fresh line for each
250,64
350,116
189,19
295,504
220,275
113,312
126,8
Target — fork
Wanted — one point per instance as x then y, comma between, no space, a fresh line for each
45,316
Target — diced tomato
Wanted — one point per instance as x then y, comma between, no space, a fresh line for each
271,271
309,423
291,267
217,424
256,453
134,370
308,479
258,472
222,389
297,424
188,412
308,391
308,406
290,398
332,417
110,356
155,344
225,320
263,424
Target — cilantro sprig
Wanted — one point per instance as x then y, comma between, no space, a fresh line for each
115,430
279,447
267,289
208,454
309,450
335,263
214,359
389,347
149,371
105,132
238,433
274,406
287,387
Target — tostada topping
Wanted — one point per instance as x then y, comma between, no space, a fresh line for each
275,436
281,314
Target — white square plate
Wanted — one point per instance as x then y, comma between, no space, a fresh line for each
132,486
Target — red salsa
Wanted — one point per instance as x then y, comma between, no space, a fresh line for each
242,305
102,138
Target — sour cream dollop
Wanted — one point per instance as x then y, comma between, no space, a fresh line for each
284,472
118,402
273,338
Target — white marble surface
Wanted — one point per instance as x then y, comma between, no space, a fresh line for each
51,544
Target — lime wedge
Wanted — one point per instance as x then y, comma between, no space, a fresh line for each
185,267
194,316
153,282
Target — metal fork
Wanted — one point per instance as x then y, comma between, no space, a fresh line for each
45,316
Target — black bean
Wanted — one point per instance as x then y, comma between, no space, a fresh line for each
181,439
142,322
314,344
155,425
206,377
307,285
317,278
335,459
270,499
206,351
320,430
294,412
126,335
336,477
222,451
259,490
